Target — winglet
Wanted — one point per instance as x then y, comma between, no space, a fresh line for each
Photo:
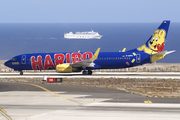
96,54
124,50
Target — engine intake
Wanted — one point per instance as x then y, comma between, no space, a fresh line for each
66,68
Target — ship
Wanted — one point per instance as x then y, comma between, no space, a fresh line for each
83,35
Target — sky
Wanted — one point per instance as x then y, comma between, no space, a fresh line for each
88,11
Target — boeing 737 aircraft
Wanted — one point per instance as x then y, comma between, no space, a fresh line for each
69,62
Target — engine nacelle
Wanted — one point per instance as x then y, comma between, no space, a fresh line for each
66,68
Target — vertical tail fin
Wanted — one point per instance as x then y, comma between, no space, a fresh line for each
156,42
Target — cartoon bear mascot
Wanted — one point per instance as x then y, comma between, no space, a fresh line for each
155,44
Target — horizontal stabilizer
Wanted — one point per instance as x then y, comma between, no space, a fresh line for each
170,52
163,53
160,55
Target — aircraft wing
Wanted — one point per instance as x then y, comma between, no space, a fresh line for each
87,63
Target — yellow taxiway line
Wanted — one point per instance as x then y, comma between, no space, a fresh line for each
52,92
3,113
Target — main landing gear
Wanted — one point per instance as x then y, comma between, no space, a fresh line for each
89,72
21,72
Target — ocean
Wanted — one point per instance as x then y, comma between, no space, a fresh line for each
20,38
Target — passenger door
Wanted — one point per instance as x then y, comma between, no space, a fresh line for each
23,59
138,58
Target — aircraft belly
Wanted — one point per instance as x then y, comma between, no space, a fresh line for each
111,64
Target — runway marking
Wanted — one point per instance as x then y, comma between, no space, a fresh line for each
27,96
119,100
148,102
123,99
51,92
10,95
3,113
2,110
90,100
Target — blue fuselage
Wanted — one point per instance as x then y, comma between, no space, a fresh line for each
105,60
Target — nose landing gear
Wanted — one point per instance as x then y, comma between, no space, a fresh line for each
21,72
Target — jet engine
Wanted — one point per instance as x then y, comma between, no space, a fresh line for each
66,68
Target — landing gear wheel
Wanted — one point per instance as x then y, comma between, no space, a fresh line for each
89,72
84,72
21,72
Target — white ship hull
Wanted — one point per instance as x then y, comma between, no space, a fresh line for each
82,35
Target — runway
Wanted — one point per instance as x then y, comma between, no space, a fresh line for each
160,75
53,101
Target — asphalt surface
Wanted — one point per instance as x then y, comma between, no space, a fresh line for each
90,92
54,101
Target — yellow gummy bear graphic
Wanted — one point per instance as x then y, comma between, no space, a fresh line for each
158,39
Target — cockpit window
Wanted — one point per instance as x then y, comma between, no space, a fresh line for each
14,59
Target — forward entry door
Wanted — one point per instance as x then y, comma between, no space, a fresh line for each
23,59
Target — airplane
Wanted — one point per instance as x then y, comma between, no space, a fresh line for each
62,62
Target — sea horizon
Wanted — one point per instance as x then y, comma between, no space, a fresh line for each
21,38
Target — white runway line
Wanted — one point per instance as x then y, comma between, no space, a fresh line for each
153,105
142,77
104,115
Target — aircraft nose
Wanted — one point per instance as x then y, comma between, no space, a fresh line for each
7,63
